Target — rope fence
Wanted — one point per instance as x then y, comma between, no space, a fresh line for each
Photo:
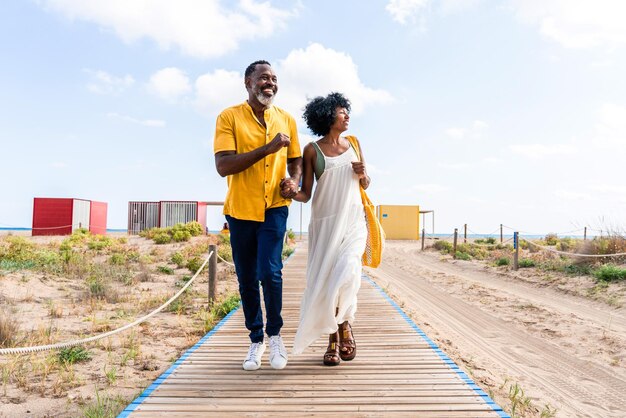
56,346
44,228
516,240
224,261
545,248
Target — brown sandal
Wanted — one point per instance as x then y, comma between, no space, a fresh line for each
332,356
347,345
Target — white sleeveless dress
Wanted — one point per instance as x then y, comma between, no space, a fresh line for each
337,235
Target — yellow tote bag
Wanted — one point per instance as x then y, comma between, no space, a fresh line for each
375,234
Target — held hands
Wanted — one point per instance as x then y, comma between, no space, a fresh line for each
279,142
288,188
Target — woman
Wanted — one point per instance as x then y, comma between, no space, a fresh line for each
337,231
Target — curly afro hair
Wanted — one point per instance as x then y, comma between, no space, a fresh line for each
320,112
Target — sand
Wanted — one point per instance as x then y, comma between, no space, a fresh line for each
529,329
556,337
48,304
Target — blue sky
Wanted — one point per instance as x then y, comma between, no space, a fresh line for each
485,111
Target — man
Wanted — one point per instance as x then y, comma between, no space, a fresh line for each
255,143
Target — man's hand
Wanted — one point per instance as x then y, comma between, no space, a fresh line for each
279,142
288,188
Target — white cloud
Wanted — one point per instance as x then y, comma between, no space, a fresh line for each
58,165
455,6
611,128
152,123
218,90
576,23
537,151
610,189
404,10
455,166
429,188
200,28
302,75
479,124
169,83
567,195
475,131
105,83
316,70
455,133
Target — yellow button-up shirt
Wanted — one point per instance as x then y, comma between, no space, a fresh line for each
254,190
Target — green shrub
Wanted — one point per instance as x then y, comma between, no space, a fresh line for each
222,309
479,253
610,273
463,256
180,236
117,259
526,262
226,252
287,251
178,259
463,248
490,240
96,286
290,234
165,269
551,239
577,269
443,246
194,228
183,281
162,238
73,355
503,261
194,263
99,242
223,239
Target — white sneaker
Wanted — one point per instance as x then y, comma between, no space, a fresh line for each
253,359
278,354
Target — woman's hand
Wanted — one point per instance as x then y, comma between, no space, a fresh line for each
359,169
288,188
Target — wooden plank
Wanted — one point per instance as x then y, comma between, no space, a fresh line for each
396,372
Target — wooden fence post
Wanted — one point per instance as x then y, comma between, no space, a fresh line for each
423,237
212,274
456,233
585,239
501,234
516,247
465,234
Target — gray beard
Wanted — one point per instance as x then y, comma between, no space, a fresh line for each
265,101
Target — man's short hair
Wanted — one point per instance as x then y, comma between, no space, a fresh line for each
252,67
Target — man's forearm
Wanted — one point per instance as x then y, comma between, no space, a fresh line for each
232,163
294,168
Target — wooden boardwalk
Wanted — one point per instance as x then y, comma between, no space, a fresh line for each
398,371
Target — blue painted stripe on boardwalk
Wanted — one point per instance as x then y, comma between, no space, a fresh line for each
443,356
146,393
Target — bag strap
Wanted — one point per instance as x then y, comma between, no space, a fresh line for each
355,145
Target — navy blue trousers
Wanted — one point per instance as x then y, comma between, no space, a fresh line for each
257,255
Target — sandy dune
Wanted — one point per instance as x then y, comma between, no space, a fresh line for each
563,350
